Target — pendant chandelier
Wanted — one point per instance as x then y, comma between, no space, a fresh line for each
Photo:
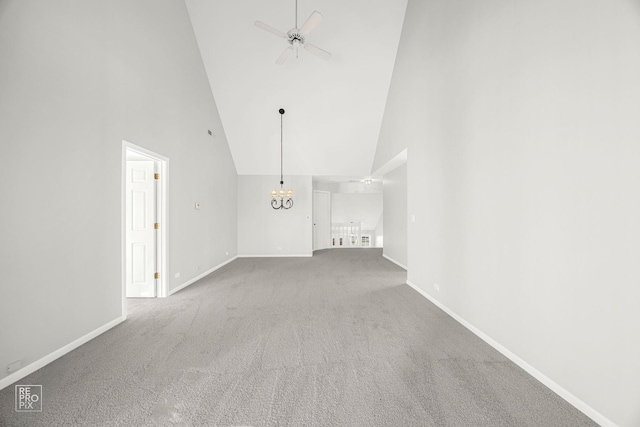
281,199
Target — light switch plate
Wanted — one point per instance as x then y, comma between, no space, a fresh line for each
198,206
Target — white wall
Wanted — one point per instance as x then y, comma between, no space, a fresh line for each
521,122
324,186
359,187
379,232
349,186
395,215
76,79
364,208
264,231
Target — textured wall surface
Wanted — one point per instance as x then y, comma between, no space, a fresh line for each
520,120
78,78
263,230
395,215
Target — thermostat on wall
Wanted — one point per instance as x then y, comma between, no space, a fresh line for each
197,205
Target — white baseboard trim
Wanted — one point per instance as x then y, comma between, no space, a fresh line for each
200,276
394,261
555,387
43,361
276,256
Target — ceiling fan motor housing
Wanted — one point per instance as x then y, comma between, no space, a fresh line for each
297,37
294,36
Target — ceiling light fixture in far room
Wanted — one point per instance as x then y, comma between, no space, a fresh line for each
281,199
297,37
368,181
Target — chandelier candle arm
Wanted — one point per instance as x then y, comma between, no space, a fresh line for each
281,199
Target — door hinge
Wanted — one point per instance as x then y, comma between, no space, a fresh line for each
156,176
156,276
156,225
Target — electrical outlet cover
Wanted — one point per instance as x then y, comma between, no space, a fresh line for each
12,367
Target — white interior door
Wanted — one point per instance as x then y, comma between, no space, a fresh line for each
140,236
321,220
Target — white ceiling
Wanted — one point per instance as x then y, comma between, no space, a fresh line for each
333,108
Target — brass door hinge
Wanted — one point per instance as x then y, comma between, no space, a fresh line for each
156,176
156,276
156,225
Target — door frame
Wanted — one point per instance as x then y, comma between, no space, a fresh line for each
313,222
162,201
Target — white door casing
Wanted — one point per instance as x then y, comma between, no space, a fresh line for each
321,220
140,231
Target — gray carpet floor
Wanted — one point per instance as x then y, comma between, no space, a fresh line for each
333,340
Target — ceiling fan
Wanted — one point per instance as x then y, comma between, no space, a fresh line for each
296,37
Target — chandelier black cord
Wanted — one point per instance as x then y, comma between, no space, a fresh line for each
281,176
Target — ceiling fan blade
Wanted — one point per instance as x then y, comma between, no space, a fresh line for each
270,29
317,51
283,57
313,20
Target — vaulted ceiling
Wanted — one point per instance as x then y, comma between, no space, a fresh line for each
333,108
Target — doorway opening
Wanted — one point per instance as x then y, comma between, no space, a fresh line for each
144,223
